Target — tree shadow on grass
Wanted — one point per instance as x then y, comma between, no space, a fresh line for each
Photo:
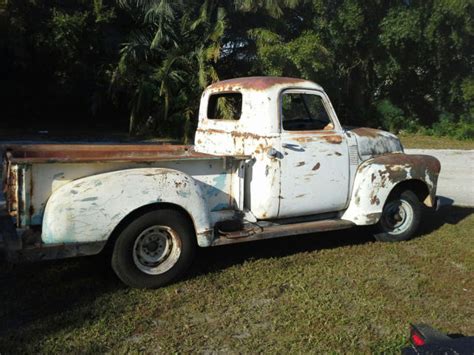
219,258
210,260
447,214
37,297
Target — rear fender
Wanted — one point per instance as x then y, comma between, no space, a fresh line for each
376,178
89,209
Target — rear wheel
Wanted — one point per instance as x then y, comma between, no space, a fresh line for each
154,249
401,217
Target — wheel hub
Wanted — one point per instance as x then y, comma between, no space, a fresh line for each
397,216
152,246
156,249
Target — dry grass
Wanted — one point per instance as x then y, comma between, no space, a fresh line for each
337,292
431,142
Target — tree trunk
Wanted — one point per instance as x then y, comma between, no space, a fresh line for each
131,128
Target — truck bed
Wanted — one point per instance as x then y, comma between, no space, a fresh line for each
49,153
32,172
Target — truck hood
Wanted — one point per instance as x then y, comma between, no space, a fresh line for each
372,142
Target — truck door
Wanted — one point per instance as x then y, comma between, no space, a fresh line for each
315,158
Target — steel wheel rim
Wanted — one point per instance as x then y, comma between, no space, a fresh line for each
156,249
397,216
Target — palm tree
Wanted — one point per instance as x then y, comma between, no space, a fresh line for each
274,8
169,54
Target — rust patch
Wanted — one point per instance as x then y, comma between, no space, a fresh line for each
274,231
374,200
234,134
102,152
366,132
6,170
357,199
304,139
10,185
372,218
253,83
396,165
333,139
418,161
308,136
179,184
267,170
397,172
316,167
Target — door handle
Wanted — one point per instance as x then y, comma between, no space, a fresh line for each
272,153
292,146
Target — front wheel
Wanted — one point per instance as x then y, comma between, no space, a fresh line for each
401,217
154,249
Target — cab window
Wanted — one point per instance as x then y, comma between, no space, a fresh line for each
226,106
304,112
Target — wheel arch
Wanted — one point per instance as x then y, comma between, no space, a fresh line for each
91,209
140,212
379,177
418,187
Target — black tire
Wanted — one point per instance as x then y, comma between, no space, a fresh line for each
133,257
400,218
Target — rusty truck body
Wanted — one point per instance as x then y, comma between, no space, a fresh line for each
270,159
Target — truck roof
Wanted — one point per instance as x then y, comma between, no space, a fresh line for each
261,83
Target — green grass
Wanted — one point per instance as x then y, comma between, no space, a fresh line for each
433,142
337,292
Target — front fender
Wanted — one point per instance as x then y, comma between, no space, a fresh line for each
377,177
89,209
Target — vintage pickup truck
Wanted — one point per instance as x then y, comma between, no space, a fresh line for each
270,159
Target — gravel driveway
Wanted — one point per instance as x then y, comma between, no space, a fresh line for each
456,180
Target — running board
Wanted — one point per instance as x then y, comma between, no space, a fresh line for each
281,230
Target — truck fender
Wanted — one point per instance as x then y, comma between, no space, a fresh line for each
90,208
377,177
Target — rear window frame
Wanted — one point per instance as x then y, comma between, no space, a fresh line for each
221,94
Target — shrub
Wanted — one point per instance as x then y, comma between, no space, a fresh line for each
448,125
394,119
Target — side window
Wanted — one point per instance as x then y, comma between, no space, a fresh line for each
225,106
304,112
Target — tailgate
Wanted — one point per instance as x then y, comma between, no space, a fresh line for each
12,179
8,206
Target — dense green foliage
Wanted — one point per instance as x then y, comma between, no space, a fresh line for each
140,65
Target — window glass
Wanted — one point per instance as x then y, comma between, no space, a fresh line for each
304,112
225,106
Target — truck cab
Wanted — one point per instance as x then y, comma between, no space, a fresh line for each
303,162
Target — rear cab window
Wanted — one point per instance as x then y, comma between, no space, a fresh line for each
225,106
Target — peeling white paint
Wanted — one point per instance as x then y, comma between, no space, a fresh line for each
90,208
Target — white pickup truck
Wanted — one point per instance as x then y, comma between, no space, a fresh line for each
270,159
